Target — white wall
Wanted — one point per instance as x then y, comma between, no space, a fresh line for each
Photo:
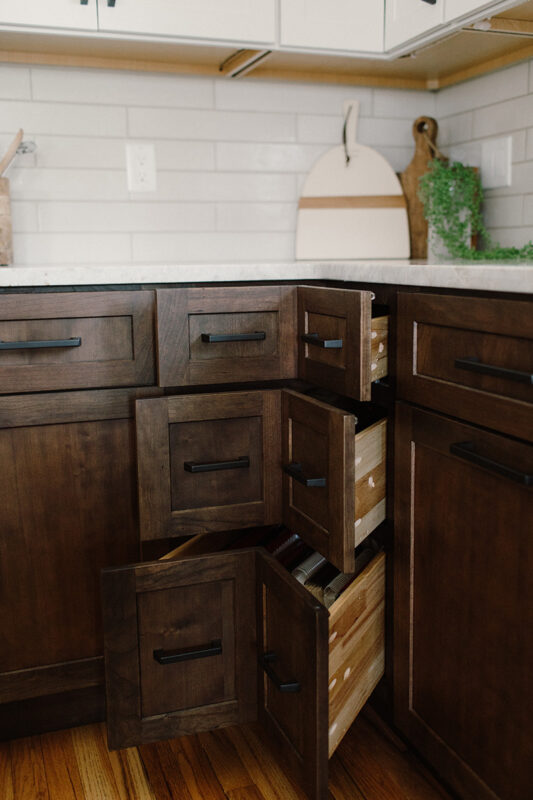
497,104
231,158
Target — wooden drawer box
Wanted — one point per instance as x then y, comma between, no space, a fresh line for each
75,340
468,357
228,334
201,640
213,462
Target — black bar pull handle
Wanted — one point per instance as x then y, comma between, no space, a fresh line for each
473,364
111,3
294,469
84,2
214,648
214,466
466,451
430,2
38,345
326,344
211,338
283,686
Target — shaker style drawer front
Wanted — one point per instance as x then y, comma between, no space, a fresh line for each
226,334
200,640
215,462
470,357
208,462
73,341
340,346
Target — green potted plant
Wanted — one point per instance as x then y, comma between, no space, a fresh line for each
452,197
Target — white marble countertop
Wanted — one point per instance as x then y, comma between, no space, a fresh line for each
509,277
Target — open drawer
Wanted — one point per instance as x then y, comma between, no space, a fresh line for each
327,337
216,462
195,642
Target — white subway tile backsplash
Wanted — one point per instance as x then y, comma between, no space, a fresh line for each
219,247
25,217
211,126
403,104
256,216
112,87
14,82
319,129
219,187
528,210
511,115
129,217
296,98
71,248
489,89
503,212
62,119
454,129
512,237
66,184
241,157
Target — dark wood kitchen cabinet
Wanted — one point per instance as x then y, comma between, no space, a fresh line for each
463,600
68,495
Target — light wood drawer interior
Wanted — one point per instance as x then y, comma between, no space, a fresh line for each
356,647
370,479
379,348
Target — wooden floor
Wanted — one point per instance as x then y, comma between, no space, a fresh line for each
232,763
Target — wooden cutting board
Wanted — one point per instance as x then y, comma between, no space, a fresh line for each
425,135
352,204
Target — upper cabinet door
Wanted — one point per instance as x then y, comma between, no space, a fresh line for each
49,14
353,25
233,20
337,346
318,460
407,19
180,646
460,8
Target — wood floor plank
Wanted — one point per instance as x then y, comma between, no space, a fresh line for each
380,771
7,790
163,772
29,776
225,760
94,765
246,793
341,784
262,764
61,768
130,777
198,774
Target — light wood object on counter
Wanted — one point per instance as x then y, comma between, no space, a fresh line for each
6,230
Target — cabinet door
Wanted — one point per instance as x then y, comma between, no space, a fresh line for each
318,457
293,635
67,509
208,462
464,602
234,20
180,647
51,14
407,19
335,340
338,25
460,8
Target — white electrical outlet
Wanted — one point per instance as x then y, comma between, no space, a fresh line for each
140,164
496,162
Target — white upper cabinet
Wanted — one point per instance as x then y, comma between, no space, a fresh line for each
407,19
352,25
459,8
74,14
252,21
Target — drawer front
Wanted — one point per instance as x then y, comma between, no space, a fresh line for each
340,346
72,341
334,491
225,334
180,647
469,357
208,462
356,647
